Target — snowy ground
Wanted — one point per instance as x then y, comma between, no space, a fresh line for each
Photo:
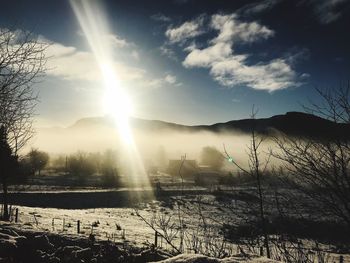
123,225
118,224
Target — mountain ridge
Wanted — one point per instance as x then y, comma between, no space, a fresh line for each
292,123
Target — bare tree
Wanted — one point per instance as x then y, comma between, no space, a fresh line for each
256,169
22,63
320,168
37,160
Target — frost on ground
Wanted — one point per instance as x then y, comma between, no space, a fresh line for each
124,226
196,258
115,224
18,245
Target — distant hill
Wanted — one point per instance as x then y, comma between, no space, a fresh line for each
291,123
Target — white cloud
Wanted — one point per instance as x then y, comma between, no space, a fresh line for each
185,31
171,79
117,41
135,55
168,80
69,63
207,56
161,17
231,69
257,7
271,76
77,65
232,30
167,51
328,11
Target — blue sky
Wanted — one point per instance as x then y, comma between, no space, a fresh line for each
190,61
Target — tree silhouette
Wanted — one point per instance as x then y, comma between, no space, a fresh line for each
257,168
212,157
22,63
37,160
8,164
320,168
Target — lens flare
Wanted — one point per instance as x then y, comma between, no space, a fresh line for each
117,103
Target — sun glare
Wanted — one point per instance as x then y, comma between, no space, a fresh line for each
117,102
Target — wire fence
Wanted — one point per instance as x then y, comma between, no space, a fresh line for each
91,228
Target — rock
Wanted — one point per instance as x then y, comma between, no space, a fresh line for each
43,242
10,232
8,243
8,247
71,249
152,255
191,258
5,236
67,250
85,253
47,258
21,241
54,260
197,258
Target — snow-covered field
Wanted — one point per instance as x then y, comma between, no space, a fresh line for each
125,226
118,224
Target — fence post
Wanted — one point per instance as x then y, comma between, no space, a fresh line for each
10,218
36,220
78,226
261,251
155,238
16,217
64,222
341,259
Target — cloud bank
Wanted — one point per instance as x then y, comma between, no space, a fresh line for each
225,65
185,31
70,63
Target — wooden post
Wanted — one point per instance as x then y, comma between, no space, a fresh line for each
53,224
10,213
155,238
64,222
261,251
78,226
341,259
16,216
36,220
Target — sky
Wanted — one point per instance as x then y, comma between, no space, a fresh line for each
188,61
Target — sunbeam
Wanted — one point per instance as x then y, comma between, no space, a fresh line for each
117,103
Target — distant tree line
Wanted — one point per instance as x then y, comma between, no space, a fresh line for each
82,165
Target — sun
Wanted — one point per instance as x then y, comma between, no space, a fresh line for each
117,103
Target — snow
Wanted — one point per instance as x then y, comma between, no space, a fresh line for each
196,258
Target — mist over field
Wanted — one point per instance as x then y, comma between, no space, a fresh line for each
171,131
150,144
